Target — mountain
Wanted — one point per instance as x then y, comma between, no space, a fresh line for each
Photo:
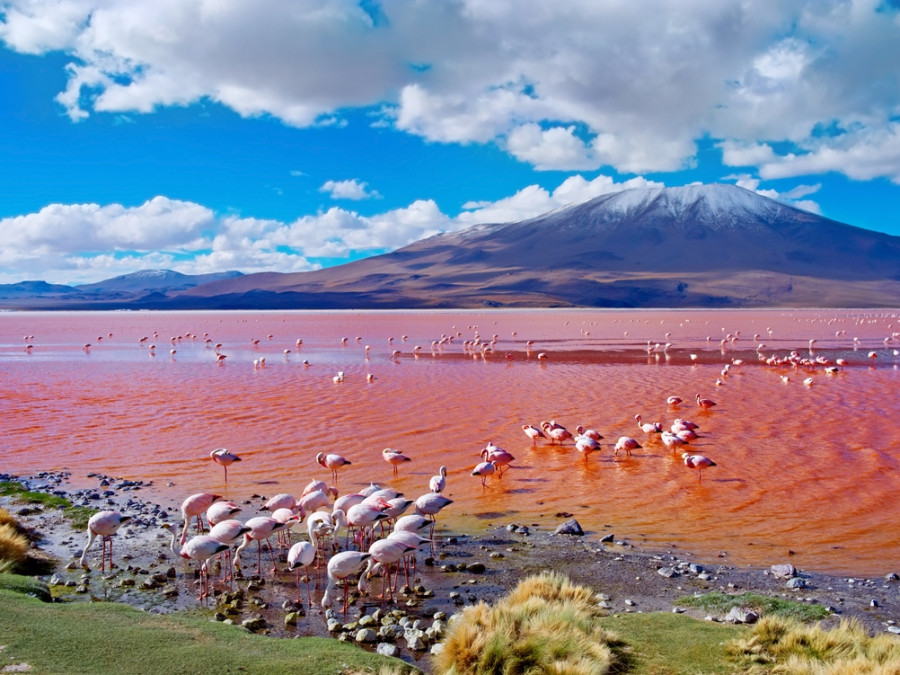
694,246
116,293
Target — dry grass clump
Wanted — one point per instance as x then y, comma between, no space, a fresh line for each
13,545
6,518
778,645
545,625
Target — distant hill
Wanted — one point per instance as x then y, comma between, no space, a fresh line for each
694,246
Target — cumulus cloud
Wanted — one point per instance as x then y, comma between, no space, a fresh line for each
348,189
640,87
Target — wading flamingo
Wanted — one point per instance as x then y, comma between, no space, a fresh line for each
220,511
438,482
300,557
649,427
228,532
483,470
586,445
533,433
196,505
201,548
224,458
103,524
261,528
340,567
332,462
626,443
698,462
395,458
590,433
705,403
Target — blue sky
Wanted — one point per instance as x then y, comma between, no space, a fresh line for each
203,136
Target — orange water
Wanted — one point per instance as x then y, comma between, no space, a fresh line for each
812,469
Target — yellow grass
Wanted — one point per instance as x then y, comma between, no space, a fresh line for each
6,518
13,546
545,625
777,645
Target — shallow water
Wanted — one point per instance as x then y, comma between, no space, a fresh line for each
810,469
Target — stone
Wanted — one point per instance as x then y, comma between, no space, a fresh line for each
476,568
415,644
607,538
741,615
391,632
892,577
365,635
695,568
796,582
367,621
254,624
783,571
387,649
334,625
667,572
56,580
291,618
570,526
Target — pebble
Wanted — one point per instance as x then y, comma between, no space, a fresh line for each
365,635
387,649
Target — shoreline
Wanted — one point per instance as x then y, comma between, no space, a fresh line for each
467,569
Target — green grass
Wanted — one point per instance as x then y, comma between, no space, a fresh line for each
664,643
77,515
719,602
17,583
113,638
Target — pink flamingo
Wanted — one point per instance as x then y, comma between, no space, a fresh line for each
672,441
674,401
228,532
104,524
289,518
437,483
590,433
627,443
430,504
682,425
395,458
261,528
649,427
282,500
315,484
312,501
483,470
332,462
555,432
202,548
362,517
321,527
340,567
497,455
220,511
301,556
533,433
344,502
586,445
412,540
698,462
196,505
384,553
224,458
705,403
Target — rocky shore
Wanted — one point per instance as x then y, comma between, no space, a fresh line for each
464,569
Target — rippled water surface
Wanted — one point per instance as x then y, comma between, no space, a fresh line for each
806,468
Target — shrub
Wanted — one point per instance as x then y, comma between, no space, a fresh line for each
13,545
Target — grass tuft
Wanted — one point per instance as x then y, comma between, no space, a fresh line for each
13,545
26,586
77,515
546,624
717,601
779,645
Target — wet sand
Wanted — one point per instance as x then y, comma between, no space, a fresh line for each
468,567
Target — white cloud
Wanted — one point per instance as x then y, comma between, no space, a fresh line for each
348,189
641,86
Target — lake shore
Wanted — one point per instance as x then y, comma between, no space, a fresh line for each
466,568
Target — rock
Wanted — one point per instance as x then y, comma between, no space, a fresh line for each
667,572
415,644
254,624
784,571
496,555
56,580
741,615
476,568
391,632
892,577
796,582
678,610
694,568
571,526
704,576
365,635
291,618
894,629
387,649
607,538
367,621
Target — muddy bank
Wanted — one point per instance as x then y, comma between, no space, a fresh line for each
463,569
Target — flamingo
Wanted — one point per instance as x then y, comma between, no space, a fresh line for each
438,482
586,445
333,462
627,443
224,458
497,455
228,532
289,518
672,441
412,539
196,505
483,470
680,425
430,505
344,502
649,427
261,527
313,501
384,552
283,500
411,523
395,458
315,484
590,433
104,524
201,548
555,432
705,403
321,527
220,511
301,556
363,516
341,566
533,433
674,401
698,462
